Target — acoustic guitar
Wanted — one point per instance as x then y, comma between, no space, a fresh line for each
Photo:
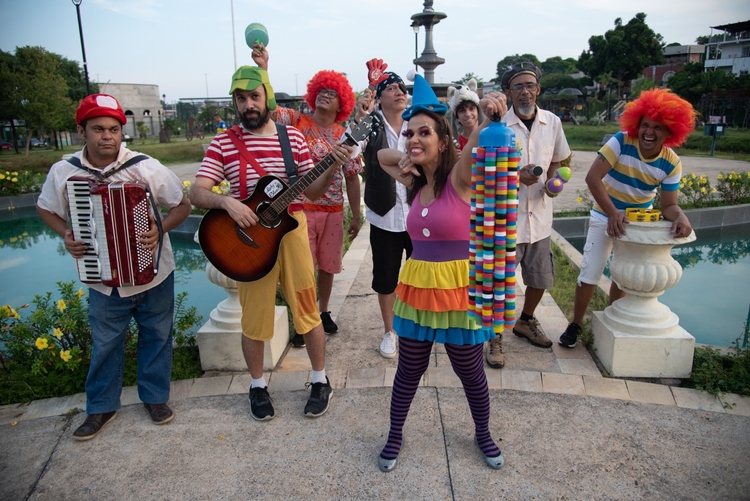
248,254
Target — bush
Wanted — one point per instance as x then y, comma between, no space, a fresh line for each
47,354
20,182
716,373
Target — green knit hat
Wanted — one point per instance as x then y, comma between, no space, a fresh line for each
249,78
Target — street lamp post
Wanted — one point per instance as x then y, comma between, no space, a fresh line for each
415,27
77,3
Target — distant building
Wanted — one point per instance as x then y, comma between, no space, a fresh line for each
675,56
729,50
140,102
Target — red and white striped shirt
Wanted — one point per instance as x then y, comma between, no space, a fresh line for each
222,160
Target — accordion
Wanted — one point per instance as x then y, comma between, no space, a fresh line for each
109,218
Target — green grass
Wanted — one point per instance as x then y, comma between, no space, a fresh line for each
734,146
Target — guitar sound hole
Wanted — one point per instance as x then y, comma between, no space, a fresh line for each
267,216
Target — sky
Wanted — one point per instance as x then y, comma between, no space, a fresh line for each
187,47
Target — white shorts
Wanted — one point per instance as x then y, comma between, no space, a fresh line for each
596,252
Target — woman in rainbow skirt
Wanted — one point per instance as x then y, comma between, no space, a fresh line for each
432,294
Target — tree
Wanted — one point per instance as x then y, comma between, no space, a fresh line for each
692,82
642,83
702,40
143,131
557,64
623,51
469,76
43,92
508,61
553,83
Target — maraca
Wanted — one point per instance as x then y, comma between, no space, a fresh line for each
256,32
554,186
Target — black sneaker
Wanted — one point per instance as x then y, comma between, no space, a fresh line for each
260,404
320,396
328,324
570,336
298,341
93,425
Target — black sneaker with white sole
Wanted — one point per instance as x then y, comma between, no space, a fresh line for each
320,396
570,336
328,324
261,408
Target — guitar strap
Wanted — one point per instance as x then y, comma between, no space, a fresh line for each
235,134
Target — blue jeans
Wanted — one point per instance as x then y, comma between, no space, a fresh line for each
109,317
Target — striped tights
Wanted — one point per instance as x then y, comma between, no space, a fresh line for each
468,364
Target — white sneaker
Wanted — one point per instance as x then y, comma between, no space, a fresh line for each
388,346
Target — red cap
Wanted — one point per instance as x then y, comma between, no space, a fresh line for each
100,105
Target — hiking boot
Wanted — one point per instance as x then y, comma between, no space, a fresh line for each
388,345
495,357
93,425
320,396
261,408
328,324
531,330
570,336
298,341
160,413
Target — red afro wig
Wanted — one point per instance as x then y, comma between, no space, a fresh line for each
329,79
662,106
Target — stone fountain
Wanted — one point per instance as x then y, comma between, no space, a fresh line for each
637,336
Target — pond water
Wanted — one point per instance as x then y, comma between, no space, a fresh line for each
713,297
33,259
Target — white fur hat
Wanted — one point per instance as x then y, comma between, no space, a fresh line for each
461,93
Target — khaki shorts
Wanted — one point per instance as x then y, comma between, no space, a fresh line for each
537,264
294,270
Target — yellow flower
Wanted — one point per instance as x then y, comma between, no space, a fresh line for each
2,176
692,175
13,239
15,179
722,177
15,173
41,343
713,190
186,183
80,292
216,190
703,190
61,305
579,199
57,333
65,355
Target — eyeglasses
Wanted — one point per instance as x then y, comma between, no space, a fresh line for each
529,86
328,92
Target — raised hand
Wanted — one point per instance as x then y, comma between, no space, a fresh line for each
376,71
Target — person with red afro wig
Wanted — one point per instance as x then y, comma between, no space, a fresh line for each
662,106
332,80
331,99
627,173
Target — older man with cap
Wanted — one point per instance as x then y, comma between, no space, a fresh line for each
542,141
104,157
385,199
242,155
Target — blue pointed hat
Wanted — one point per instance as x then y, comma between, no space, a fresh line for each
423,98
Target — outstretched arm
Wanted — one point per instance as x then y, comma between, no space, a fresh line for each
493,104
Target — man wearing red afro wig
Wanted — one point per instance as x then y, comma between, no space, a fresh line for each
331,99
626,173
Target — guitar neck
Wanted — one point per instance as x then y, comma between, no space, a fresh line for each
304,182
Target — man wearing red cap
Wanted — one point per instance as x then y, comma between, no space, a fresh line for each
100,119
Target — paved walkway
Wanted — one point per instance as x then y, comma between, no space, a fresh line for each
566,431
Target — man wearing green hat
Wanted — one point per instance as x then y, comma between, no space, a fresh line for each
242,155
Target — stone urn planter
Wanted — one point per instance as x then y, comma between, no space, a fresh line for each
637,336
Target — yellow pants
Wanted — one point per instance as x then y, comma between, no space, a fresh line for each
294,269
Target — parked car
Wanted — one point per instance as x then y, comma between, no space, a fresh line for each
37,143
6,145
